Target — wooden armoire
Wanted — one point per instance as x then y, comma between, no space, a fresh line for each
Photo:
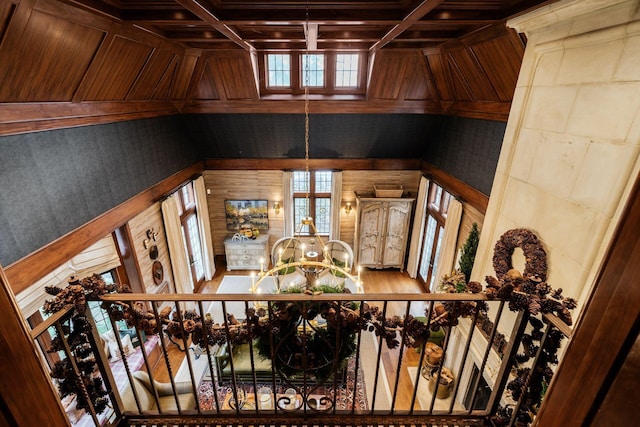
382,231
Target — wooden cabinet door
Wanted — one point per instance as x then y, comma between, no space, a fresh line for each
372,219
395,238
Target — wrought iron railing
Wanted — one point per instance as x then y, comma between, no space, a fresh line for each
338,359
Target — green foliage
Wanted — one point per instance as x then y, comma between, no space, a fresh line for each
468,255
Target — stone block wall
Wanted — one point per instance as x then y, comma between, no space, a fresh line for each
571,148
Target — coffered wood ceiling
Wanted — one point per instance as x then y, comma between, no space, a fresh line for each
75,62
353,25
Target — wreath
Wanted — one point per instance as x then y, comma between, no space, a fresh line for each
534,254
529,290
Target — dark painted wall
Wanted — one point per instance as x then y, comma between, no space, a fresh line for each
353,136
467,149
53,182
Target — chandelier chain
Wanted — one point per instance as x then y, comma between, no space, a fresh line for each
306,113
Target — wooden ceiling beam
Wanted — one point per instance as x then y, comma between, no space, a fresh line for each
195,7
414,16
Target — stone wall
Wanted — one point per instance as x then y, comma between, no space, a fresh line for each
570,151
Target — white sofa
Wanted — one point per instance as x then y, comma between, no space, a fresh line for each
166,399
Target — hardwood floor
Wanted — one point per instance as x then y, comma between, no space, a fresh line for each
375,281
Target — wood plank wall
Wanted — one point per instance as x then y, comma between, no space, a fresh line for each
242,185
362,182
151,218
267,184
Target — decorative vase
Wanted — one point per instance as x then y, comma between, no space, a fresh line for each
445,384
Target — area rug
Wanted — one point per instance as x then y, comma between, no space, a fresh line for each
346,395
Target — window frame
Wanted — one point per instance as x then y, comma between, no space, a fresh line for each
312,196
187,210
302,71
329,89
438,200
358,71
266,68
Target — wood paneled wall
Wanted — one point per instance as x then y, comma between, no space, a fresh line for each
91,66
476,75
63,65
151,218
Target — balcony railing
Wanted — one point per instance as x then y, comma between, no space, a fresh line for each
341,359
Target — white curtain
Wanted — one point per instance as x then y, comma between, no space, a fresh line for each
418,229
287,200
449,240
336,201
204,227
177,251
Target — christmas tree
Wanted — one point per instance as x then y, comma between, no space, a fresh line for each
468,255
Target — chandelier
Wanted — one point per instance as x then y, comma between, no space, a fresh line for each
310,261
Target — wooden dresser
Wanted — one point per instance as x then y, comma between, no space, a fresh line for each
245,254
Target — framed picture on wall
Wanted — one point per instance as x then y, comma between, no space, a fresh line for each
243,214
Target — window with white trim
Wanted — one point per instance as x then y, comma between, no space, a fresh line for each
279,70
312,70
347,69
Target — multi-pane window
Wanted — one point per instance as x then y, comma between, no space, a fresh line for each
312,198
191,232
312,70
437,207
279,69
347,70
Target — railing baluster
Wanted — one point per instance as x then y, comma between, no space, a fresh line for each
507,361
105,372
445,346
231,363
485,358
534,363
274,400
401,352
210,361
464,358
379,358
421,361
186,350
125,363
357,361
253,365
336,358
154,306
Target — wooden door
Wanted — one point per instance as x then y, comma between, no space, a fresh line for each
372,219
395,234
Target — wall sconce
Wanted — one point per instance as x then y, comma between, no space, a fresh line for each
347,208
276,207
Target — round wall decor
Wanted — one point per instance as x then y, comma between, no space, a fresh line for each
158,272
